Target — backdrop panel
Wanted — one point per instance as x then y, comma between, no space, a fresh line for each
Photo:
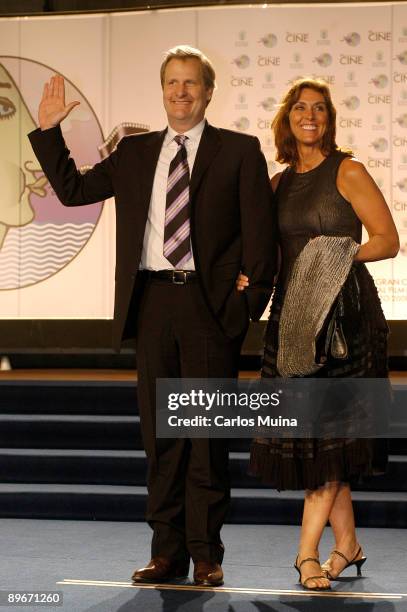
59,263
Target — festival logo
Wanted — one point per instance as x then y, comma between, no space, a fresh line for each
268,104
402,185
403,98
379,123
241,124
351,103
268,81
324,60
403,37
380,145
345,59
269,40
352,39
379,61
380,81
403,162
241,39
241,102
296,61
402,120
399,206
374,36
243,61
323,38
402,58
294,79
268,142
351,141
351,79
297,37
400,141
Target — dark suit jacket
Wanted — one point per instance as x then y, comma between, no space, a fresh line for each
232,226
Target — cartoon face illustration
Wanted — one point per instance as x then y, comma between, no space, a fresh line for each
38,235
380,145
402,120
402,57
243,61
324,60
351,103
380,81
269,40
352,39
17,160
242,124
268,104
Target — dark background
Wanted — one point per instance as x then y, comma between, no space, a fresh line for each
25,7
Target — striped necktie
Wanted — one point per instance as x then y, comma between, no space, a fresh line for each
177,243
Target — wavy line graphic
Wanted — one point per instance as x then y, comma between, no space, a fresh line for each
47,249
33,253
51,238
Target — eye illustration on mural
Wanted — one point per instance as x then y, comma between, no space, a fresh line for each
7,108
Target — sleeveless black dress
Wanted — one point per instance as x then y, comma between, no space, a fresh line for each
309,205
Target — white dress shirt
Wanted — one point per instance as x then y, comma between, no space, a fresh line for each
152,257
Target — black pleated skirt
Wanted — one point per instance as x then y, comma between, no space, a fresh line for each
293,463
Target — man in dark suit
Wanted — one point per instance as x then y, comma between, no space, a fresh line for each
193,208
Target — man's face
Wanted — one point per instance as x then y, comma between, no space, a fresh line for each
184,94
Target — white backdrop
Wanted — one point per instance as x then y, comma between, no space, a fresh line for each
59,263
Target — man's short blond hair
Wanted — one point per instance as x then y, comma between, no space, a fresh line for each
184,52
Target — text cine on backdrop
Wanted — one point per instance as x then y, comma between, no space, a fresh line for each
57,262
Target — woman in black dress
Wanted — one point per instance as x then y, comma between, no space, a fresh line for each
324,191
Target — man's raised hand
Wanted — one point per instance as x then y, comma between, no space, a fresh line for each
52,109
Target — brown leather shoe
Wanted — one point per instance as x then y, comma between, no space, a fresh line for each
208,574
161,569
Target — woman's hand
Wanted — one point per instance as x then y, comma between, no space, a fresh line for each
242,282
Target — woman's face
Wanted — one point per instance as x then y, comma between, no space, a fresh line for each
308,118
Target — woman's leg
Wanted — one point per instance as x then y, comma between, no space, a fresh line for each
318,506
342,521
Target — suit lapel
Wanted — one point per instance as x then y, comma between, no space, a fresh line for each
209,145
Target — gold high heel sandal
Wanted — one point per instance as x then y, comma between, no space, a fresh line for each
358,563
304,583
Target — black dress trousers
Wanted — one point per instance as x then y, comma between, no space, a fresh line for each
188,479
